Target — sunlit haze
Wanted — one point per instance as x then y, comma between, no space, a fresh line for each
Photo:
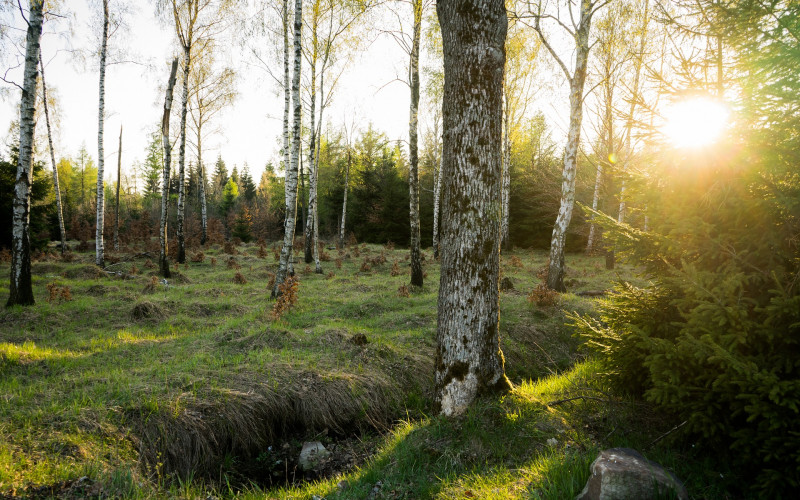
695,122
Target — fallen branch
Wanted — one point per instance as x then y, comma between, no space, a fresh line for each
659,438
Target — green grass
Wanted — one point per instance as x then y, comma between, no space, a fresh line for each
182,402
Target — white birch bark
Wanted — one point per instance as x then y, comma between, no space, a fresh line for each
469,362
506,180
315,235
291,171
20,287
99,245
187,61
556,267
595,200
344,201
312,179
59,208
116,205
162,233
437,191
413,171
286,85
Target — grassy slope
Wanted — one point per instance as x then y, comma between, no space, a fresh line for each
89,389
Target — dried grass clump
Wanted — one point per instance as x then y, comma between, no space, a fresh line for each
151,285
230,249
239,279
307,270
287,298
365,266
389,245
232,264
147,310
262,252
338,263
65,257
330,275
395,268
198,257
543,296
134,269
271,281
213,261
83,246
5,255
276,253
58,293
324,256
403,291
516,262
149,264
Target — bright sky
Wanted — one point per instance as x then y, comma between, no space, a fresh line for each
251,127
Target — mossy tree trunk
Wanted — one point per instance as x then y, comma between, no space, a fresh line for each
469,362
413,170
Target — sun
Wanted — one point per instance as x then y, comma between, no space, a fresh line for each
695,122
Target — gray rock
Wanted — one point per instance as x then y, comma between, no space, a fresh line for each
623,473
311,455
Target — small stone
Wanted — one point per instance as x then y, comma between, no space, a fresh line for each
311,455
552,442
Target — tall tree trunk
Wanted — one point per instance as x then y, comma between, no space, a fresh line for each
317,264
187,61
291,171
468,357
20,288
505,189
99,246
286,86
116,206
202,190
413,170
344,201
312,177
59,208
162,232
595,199
437,191
555,271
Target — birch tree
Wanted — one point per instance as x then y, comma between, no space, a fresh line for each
116,205
579,32
20,288
468,358
413,155
99,246
291,170
59,208
162,232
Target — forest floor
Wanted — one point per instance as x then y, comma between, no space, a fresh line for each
117,385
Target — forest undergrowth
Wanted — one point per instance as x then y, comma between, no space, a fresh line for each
118,384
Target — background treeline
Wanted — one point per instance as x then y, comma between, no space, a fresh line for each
241,206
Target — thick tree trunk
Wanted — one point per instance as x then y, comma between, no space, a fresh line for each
555,271
187,61
344,201
413,170
20,288
291,171
99,245
162,233
116,206
468,357
59,208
